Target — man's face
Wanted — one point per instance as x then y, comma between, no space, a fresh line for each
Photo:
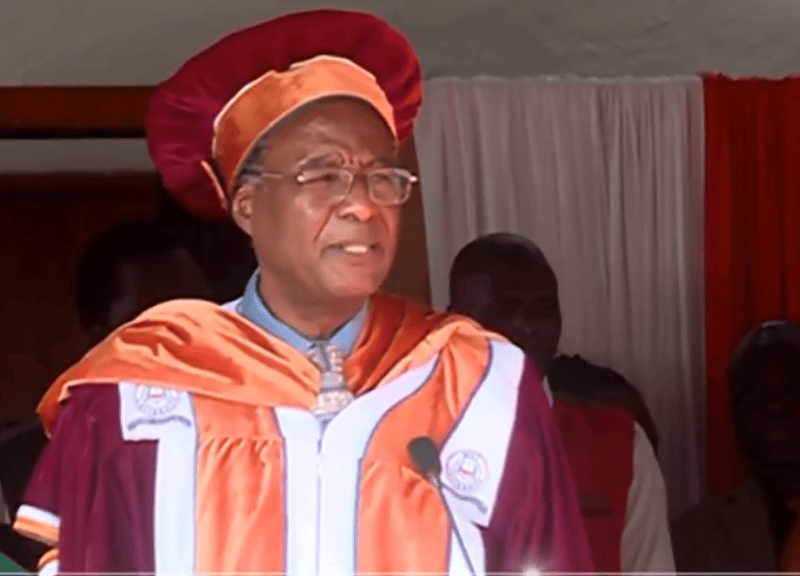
304,244
523,306
766,412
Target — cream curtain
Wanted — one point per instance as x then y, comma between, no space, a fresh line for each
606,176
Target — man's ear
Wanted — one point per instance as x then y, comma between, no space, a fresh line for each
242,207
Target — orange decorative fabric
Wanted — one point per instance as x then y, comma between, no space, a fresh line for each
200,347
241,456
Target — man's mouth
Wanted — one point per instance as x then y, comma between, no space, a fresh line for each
355,248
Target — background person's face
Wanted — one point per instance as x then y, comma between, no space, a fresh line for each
300,241
150,280
523,306
766,413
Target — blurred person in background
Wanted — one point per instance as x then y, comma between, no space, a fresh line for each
505,282
754,527
126,269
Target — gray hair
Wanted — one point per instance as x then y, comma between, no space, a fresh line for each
253,165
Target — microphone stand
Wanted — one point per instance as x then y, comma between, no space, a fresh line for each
428,462
438,485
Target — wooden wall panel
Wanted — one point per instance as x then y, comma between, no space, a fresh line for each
42,235
73,111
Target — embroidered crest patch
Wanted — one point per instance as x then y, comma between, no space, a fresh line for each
467,470
153,401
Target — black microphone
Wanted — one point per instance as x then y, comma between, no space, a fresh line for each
425,457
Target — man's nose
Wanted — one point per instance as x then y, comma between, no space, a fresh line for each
358,204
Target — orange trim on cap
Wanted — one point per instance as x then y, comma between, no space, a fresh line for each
268,99
221,196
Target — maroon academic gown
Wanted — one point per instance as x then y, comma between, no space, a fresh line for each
98,489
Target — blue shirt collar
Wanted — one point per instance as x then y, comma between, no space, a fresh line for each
253,307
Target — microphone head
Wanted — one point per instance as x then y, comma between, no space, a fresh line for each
425,456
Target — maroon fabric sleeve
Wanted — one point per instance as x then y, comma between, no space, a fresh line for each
537,521
100,487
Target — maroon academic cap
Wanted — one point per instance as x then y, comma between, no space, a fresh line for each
204,120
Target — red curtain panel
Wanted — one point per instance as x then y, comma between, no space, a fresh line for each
752,208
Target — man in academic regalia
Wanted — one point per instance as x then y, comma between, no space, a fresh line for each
271,434
505,282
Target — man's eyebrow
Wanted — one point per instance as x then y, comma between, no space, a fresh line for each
383,161
320,161
333,159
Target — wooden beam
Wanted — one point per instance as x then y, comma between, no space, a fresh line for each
28,112
38,186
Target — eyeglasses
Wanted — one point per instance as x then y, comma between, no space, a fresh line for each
386,186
